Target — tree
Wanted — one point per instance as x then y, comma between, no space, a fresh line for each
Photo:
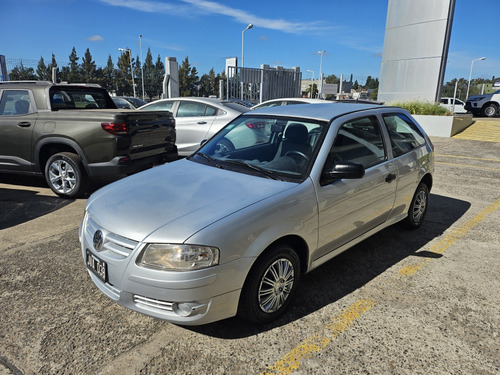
188,79
88,68
74,73
123,79
42,71
20,73
108,76
332,79
158,75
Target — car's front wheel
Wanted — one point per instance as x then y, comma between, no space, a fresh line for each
490,110
270,285
65,175
418,207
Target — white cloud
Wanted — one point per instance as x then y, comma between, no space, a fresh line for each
202,6
95,38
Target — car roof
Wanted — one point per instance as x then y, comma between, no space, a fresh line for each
326,111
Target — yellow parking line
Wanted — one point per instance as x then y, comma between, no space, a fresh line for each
291,361
466,157
451,238
468,166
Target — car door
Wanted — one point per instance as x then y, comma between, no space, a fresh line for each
349,208
192,121
17,121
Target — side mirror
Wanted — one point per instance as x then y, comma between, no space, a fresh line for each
343,169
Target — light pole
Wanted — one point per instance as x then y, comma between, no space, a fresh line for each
320,91
131,69
470,74
142,65
243,43
312,81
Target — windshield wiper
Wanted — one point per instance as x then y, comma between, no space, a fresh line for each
263,171
210,159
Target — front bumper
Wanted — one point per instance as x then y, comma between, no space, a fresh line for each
185,298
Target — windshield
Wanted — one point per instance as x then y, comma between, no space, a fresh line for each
268,146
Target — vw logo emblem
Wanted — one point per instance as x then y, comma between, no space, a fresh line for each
98,240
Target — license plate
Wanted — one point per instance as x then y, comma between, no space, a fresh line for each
97,266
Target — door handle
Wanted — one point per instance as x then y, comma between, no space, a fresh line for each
390,177
24,124
202,122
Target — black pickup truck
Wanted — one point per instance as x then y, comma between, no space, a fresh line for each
74,133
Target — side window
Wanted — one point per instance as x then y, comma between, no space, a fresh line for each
15,102
191,109
359,141
405,136
160,106
210,111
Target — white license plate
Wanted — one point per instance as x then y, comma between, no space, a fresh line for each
97,266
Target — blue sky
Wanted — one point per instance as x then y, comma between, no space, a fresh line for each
286,33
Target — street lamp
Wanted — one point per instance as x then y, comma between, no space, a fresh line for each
320,73
312,81
131,69
142,65
243,43
470,74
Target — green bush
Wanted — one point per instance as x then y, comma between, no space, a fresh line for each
422,108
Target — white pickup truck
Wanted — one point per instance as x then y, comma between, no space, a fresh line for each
484,105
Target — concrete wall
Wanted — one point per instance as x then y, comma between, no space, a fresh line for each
415,49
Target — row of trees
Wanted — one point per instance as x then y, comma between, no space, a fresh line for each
476,86
119,79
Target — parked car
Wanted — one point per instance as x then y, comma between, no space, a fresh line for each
457,107
232,232
484,105
196,118
74,134
122,103
289,101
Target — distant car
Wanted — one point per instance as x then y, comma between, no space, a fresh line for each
122,103
288,101
227,232
197,119
484,105
448,104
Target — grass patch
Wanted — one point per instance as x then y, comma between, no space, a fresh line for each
422,108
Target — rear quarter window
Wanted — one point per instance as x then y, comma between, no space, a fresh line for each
404,134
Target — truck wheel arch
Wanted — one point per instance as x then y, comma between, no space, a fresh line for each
50,146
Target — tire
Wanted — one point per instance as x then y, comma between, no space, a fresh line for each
65,175
418,208
270,285
490,110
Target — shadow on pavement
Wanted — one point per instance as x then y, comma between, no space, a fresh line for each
18,206
354,268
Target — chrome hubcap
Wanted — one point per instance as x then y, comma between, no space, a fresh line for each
419,206
62,176
276,285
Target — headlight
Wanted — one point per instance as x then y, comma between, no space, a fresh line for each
172,257
477,99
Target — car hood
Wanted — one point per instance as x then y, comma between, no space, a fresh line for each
184,196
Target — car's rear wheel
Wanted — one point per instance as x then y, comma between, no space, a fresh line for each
490,110
270,285
418,207
65,175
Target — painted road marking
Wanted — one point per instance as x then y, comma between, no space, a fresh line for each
481,131
442,245
314,344
291,361
466,157
468,166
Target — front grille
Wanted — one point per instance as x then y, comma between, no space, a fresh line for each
152,304
114,245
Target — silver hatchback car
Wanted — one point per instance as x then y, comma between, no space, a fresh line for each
229,231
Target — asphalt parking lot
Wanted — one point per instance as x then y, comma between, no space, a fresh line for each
418,302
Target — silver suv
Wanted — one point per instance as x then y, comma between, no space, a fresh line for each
232,230
484,105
